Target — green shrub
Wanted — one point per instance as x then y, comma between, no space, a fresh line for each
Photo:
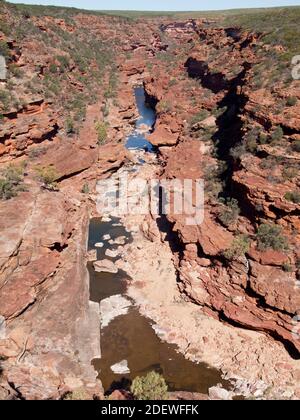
36,152
163,107
291,101
85,189
200,116
293,196
101,129
296,146
149,387
63,61
267,163
263,138
4,50
70,129
276,135
53,68
15,70
230,212
238,151
289,172
11,181
48,175
213,183
4,99
77,395
270,236
105,110
251,140
240,245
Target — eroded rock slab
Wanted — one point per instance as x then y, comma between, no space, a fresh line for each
105,266
112,307
120,368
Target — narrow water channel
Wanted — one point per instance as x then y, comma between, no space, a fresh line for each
136,140
130,337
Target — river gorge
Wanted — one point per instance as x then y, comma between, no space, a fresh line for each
92,297
129,337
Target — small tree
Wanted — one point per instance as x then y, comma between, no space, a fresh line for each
101,129
270,236
240,245
48,175
150,387
11,181
276,135
293,196
230,212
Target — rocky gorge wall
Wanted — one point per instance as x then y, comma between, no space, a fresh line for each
254,288
213,122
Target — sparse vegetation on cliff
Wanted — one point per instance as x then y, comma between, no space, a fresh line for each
11,181
229,212
163,107
291,101
238,248
85,189
48,175
293,196
77,70
101,129
269,236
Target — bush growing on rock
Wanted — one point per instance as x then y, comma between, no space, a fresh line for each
238,151
200,116
163,107
53,68
77,395
263,138
293,196
212,176
269,236
276,135
289,172
230,212
63,61
5,100
85,188
4,50
296,146
101,129
105,110
48,175
150,387
238,248
251,140
291,101
15,70
70,129
11,181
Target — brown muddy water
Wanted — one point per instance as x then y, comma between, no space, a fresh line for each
131,337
